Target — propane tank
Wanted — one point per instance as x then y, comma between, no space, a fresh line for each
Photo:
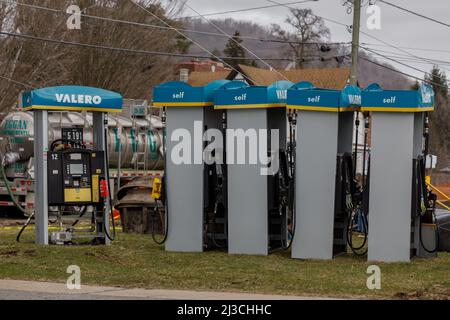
126,135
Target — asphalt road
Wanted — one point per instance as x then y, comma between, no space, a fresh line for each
33,290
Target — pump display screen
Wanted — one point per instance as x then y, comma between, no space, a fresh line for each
75,156
76,168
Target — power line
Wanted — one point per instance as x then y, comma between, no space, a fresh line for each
404,73
410,48
415,13
396,61
231,38
189,39
134,51
397,48
326,19
404,55
393,46
140,24
442,64
249,9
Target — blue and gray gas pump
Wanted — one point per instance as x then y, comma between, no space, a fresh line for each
67,174
195,173
324,186
257,166
401,220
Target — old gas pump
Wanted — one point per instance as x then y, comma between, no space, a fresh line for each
325,191
401,222
70,178
195,175
257,164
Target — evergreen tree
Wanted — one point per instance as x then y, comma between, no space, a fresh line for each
440,118
233,49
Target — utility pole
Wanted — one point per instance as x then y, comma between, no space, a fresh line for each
354,72
355,41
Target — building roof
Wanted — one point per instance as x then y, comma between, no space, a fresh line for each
329,78
201,78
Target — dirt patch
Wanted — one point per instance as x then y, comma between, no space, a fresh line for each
10,253
103,256
30,253
436,292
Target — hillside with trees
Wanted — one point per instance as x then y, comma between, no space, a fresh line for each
321,56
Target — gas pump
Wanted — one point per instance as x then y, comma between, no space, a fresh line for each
72,179
259,193
195,189
402,219
326,192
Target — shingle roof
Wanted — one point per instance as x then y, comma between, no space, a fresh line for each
330,78
201,78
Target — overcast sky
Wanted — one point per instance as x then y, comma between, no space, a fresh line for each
397,27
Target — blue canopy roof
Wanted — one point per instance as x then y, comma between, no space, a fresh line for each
72,98
249,97
304,96
374,98
181,94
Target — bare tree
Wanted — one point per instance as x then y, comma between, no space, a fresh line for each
41,63
308,28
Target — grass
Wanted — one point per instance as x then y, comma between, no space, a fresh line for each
135,261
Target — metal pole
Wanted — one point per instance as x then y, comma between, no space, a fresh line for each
354,66
40,171
99,121
355,42
119,164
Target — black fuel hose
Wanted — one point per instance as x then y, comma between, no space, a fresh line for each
166,225
422,190
164,185
82,212
24,226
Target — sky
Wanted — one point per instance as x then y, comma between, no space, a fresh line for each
399,28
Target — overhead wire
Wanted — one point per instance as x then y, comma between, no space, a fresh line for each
415,13
403,73
189,39
137,51
396,61
141,24
231,38
250,9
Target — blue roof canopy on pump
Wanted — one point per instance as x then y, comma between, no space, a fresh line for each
71,98
304,96
243,96
374,98
181,94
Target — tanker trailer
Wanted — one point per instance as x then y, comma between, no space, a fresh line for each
134,145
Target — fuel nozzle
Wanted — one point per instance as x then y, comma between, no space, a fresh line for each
366,123
426,126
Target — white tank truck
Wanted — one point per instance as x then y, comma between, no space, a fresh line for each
134,144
